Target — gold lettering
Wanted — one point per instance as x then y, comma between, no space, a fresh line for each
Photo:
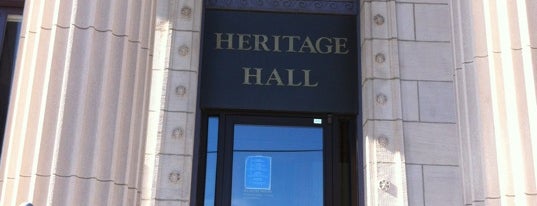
276,44
262,43
247,76
307,79
219,40
328,46
341,44
282,43
291,42
307,44
290,79
275,76
275,79
244,44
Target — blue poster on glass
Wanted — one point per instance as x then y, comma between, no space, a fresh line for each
257,174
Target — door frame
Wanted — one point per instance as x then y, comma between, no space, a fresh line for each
332,185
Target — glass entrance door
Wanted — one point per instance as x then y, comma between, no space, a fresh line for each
277,165
251,160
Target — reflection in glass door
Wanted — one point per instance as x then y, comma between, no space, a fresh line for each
277,165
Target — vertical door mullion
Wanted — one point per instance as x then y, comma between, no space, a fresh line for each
202,160
327,162
228,160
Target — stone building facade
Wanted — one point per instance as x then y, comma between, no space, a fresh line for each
104,106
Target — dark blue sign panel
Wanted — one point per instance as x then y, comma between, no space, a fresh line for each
257,174
279,62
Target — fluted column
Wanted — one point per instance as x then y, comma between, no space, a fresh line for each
76,124
496,78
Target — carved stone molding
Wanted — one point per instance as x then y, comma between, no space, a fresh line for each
307,6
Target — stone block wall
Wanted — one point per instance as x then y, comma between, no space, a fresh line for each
429,102
407,66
